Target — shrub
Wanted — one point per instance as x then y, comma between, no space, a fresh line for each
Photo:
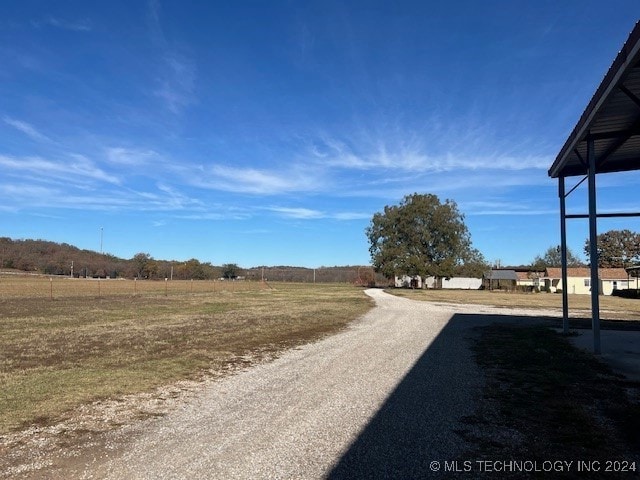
626,293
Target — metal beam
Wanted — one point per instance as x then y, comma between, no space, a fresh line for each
626,133
619,142
630,94
575,150
593,249
604,215
563,256
575,186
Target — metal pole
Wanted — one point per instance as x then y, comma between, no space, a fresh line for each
593,248
563,255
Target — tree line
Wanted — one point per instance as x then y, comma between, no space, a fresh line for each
615,249
50,258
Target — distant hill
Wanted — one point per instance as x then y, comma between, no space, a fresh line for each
50,258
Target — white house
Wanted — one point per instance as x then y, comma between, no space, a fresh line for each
407,281
579,280
454,283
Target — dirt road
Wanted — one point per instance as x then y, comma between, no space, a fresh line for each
381,399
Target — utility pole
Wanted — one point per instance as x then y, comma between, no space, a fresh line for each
71,268
101,231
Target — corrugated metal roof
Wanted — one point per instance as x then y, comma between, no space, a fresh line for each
502,275
611,119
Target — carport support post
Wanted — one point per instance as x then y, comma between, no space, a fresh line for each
593,248
563,255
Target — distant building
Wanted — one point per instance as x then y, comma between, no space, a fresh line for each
408,281
579,280
454,283
451,283
500,279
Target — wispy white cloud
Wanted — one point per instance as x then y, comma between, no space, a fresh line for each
171,197
176,82
25,195
413,156
208,216
81,25
155,28
255,181
27,129
132,157
74,168
513,207
312,214
177,73
22,190
8,208
301,213
352,215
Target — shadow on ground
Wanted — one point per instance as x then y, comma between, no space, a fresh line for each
417,423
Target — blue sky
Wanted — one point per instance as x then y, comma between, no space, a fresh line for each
270,132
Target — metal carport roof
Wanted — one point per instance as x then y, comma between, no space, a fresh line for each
501,275
606,139
611,119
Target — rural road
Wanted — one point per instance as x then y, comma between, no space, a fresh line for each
381,399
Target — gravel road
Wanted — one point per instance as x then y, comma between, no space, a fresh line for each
380,400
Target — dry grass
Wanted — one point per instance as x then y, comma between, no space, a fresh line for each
544,399
82,344
612,308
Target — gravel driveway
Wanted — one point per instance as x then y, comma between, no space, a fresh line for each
379,400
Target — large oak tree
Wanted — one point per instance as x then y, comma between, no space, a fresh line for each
422,236
617,248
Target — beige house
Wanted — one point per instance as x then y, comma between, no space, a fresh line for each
579,280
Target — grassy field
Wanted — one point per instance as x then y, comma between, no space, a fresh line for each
65,342
611,308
